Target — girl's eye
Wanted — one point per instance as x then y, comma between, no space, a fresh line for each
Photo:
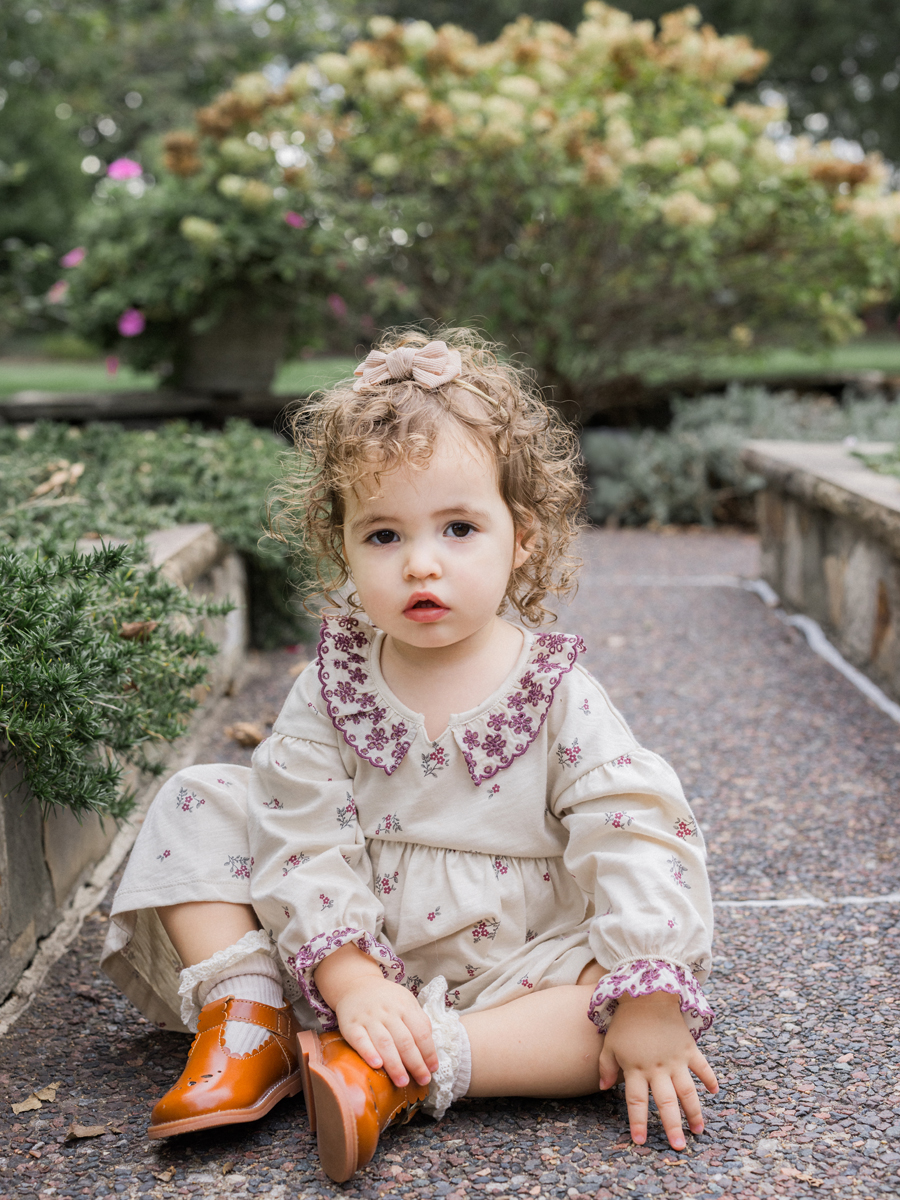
382,537
459,529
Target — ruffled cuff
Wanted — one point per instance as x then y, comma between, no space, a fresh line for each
641,977
304,963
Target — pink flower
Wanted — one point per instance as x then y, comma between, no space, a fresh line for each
58,292
338,305
112,365
131,322
295,220
74,257
124,168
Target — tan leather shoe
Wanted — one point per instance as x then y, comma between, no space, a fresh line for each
349,1103
220,1088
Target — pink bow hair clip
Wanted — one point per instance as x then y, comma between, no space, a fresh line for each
431,366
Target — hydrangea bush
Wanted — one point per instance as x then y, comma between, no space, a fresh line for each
585,197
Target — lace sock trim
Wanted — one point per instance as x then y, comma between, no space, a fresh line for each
454,1072
219,966
643,976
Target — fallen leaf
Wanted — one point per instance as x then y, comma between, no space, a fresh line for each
298,667
226,1167
245,733
29,1105
49,1092
164,1176
84,1131
137,631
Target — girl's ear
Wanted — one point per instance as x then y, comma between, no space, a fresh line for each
524,545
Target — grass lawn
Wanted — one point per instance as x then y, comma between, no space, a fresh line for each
301,377
294,379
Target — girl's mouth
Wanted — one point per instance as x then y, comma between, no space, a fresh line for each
425,609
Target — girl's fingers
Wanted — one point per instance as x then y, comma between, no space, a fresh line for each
392,1061
359,1039
636,1096
609,1069
409,1053
704,1072
669,1110
421,1031
690,1101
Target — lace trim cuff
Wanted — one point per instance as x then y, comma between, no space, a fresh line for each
304,963
641,977
192,977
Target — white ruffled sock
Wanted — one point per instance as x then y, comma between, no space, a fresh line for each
247,971
454,1073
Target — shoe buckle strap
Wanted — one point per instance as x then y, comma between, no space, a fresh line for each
252,1012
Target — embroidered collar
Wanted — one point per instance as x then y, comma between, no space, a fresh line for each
379,734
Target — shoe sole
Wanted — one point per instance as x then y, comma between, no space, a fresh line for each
330,1113
236,1116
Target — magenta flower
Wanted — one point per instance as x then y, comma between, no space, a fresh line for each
131,322
73,258
58,292
124,168
295,220
338,305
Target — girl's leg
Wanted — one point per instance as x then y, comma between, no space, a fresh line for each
200,930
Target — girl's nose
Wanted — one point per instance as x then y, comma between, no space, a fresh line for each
421,562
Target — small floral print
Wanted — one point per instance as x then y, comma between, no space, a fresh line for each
530,935
671,922
485,930
585,707
346,814
165,854
385,884
471,971
678,869
389,824
435,914
313,707
494,791
685,829
546,877
452,999
435,761
624,760
568,756
186,801
239,866
274,803
618,820
281,765
500,866
525,982
296,860
327,902
286,911
700,965
230,782
414,983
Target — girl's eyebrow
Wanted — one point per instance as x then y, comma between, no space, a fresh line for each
456,510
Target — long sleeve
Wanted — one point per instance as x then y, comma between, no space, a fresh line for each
635,849
311,877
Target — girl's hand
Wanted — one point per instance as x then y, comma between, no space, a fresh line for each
382,1021
650,1043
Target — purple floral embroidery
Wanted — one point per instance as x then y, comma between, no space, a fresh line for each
346,691
385,884
470,738
303,965
525,982
239,866
520,724
498,721
685,829
568,756
296,860
389,824
435,761
618,820
678,870
622,761
493,745
274,803
697,966
500,866
485,930
436,913
643,976
376,739
346,814
165,854
187,801
327,902
415,984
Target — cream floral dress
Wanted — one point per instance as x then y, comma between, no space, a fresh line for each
531,837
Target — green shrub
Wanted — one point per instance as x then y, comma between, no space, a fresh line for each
692,472
59,483
99,657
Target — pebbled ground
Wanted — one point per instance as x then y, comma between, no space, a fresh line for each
794,778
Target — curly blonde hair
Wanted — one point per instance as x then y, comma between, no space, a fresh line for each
342,436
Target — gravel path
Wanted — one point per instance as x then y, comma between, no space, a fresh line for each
793,775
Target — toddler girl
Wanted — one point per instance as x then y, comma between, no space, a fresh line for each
451,865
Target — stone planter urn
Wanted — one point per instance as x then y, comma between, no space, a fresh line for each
238,357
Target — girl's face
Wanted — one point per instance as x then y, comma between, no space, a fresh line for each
431,549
